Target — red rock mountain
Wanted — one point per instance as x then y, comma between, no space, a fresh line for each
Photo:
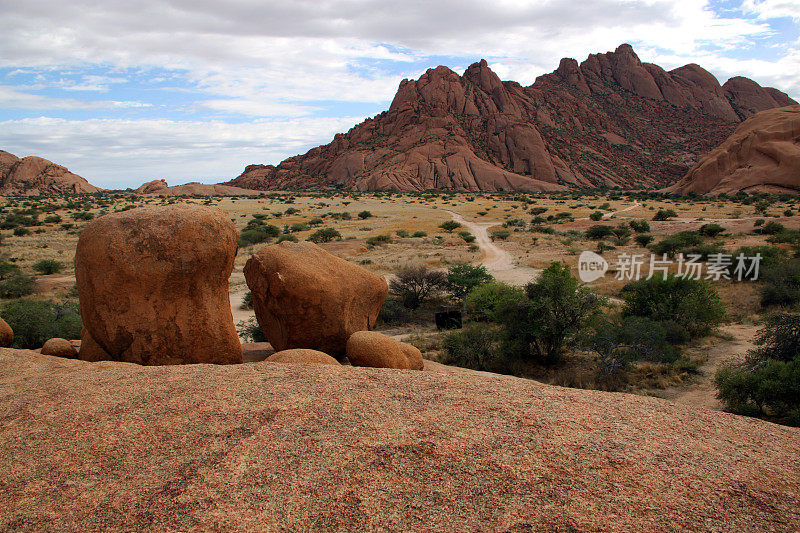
612,120
34,175
763,154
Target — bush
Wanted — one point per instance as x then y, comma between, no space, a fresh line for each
379,239
772,228
639,226
678,243
781,283
449,226
298,226
710,230
598,231
463,277
693,304
324,235
290,238
401,233
35,321
249,237
548,320
48,266
363,215
643,239
767,382
20,232
484,302
619,342
418,234
597,215
393,312
52,219
251,331
13,283
501,234
413,286
475,347
665,214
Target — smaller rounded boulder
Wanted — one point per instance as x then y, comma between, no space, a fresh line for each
59,348
6,334
376,350
302,355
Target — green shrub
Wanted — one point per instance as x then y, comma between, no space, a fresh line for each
48,266
598,231
378,240
463,278
82,215
501,234
20,232
393,312
52,219
35,321
678,243
475,347
13,283
767,382
251,331
450,225
597,215
639,226
710,230
283,238
556,309
618,342
665,214
693,304
248,237
772,227
418,234
643,239
484,302
781,283
315,222
324,235
363,215
401,233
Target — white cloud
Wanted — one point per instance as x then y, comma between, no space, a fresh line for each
117,153
11,98
767,9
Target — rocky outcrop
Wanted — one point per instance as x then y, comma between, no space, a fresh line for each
265,447
304,297
301,355
376,350
153,286
160,188
6,334
59,348
37,176
763,154
151,186
608,121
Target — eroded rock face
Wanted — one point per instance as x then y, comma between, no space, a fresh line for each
35,175
153,286
302,355
610,120
304,297
763,154
59,348
373,349
6,334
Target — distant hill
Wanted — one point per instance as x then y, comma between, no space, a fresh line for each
762,154
161,188
609,121
35,175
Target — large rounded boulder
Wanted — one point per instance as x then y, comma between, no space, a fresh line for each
373,349
6,334
153,286
59,348
302,355
305,297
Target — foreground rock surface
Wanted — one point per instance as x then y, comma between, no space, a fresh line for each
153,286
121,447
763,154
304,297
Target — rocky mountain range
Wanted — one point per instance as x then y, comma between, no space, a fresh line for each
611,120
35,175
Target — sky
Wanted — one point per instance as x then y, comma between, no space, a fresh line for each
124,92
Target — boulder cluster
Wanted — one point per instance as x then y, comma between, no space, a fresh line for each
153,289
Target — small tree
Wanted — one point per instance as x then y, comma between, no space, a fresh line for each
597,215
324,235
463,277
363,215
639,226
449,226
556,309
643,239
415,285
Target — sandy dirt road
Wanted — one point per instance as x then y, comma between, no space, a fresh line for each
496,260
